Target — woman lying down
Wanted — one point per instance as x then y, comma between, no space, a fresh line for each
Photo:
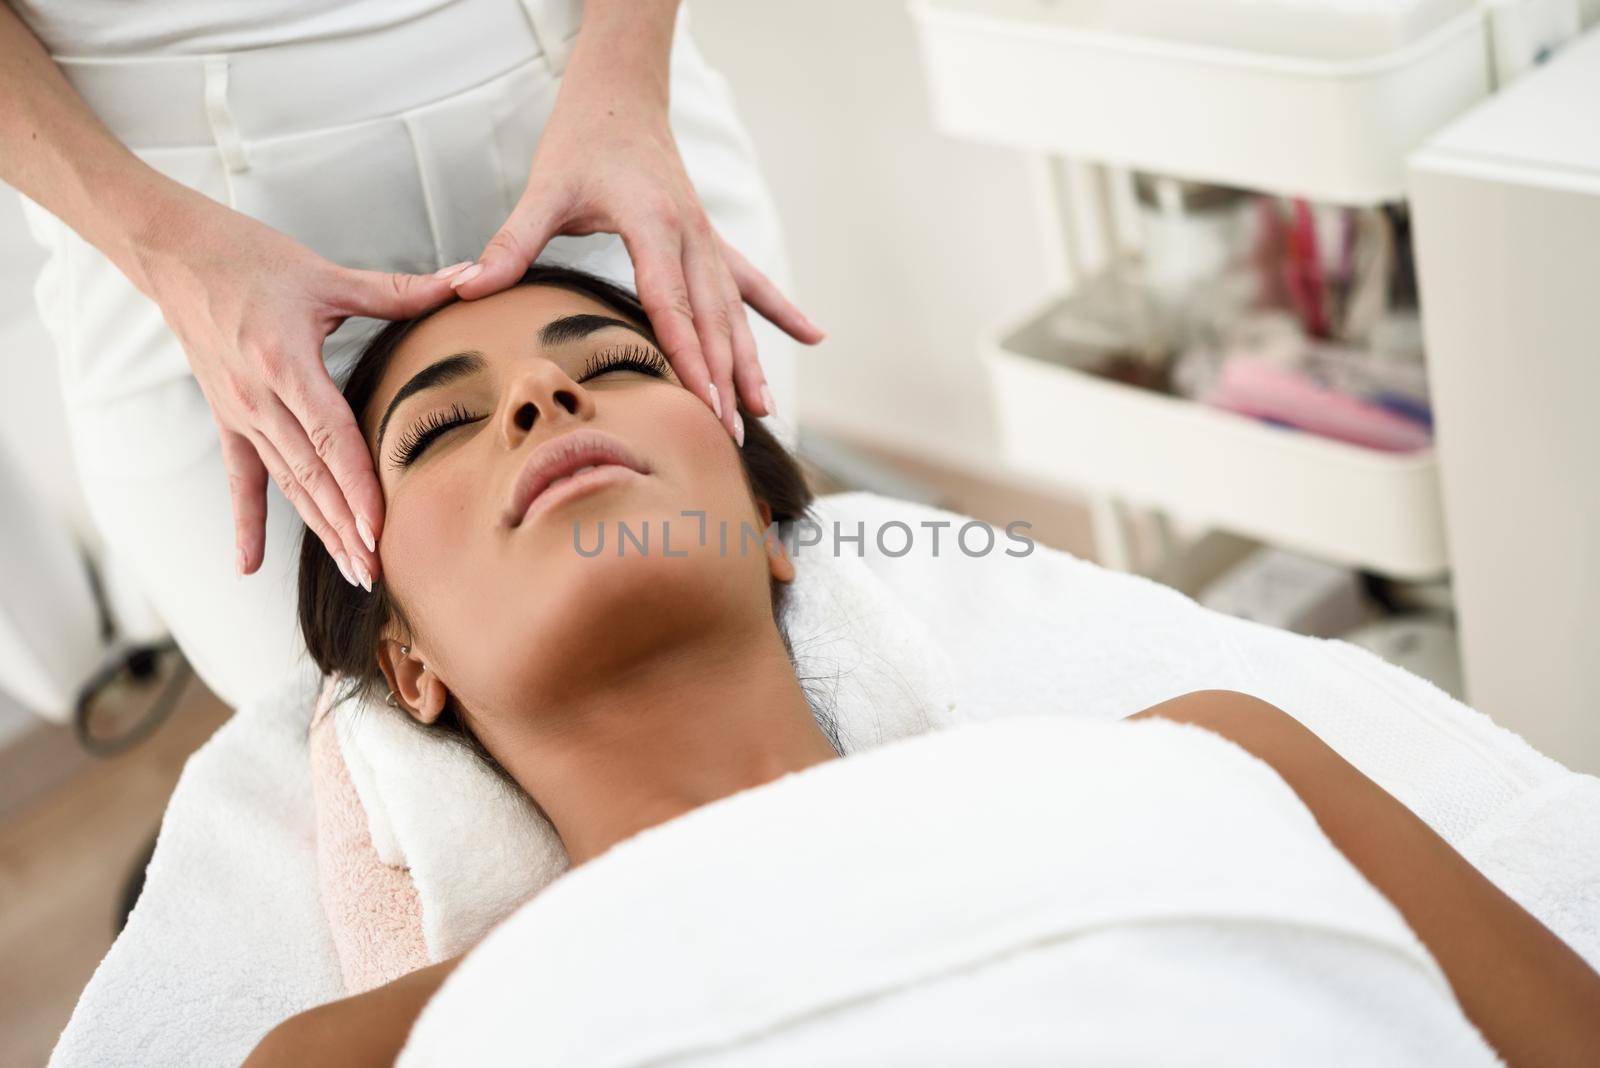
1205,882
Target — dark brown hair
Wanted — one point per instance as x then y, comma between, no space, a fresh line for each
343,624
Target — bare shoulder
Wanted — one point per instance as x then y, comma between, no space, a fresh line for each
1258,726
364,1029
1220,710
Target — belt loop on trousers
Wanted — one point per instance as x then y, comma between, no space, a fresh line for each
223,127
556,48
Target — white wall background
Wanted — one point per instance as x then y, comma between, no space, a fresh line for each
905,243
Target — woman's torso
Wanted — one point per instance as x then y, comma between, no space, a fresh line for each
1031,890
113,28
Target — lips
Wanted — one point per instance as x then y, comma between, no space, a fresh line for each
561,458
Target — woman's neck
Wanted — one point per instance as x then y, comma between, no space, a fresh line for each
698,722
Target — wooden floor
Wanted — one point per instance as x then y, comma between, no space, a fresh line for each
65,855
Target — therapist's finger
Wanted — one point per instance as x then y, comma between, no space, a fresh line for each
389,295
765,297
748,376
328,424
247,487
313,483
509,252
664,294
713,325
283,474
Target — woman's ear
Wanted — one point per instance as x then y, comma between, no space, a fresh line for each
416,689
778,562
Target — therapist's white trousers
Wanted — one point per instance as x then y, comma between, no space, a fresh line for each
402,150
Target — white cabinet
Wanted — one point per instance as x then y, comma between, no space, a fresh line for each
1231,97
1506,204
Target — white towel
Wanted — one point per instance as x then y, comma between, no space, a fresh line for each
897,645
824,917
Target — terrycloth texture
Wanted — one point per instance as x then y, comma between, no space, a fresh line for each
372,907
803,921
894,646
435,810
230,936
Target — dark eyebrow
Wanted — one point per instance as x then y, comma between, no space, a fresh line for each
560,331
461,365
577,327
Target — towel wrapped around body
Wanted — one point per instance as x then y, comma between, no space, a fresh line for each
1033,890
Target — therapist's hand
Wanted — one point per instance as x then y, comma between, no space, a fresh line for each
252,308
607,163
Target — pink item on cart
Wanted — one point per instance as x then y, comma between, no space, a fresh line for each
1266,391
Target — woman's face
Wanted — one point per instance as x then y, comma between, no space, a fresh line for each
495,395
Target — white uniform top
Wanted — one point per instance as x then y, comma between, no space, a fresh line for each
117,28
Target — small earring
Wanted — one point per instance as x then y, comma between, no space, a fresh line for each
405,650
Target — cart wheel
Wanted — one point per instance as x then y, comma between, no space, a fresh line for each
128,698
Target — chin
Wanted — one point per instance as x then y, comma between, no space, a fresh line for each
591,612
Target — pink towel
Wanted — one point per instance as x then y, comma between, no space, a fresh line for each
372,907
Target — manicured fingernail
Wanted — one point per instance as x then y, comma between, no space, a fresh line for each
366,534
362,573
716,398
466,276
738,429
344,568
766,400
453,269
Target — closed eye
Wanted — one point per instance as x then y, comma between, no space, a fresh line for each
626,358
422,434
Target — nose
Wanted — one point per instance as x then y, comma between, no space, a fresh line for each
544,397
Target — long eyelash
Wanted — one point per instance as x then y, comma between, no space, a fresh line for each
426,429
622,357
627,358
